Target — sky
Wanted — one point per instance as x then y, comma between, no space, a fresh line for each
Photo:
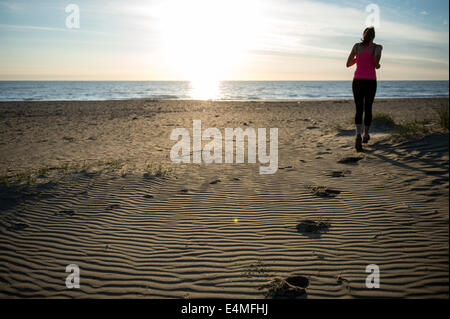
212,40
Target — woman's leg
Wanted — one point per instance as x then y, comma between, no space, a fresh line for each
358,95
370,91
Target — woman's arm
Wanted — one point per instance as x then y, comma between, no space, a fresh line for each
378,50
352,57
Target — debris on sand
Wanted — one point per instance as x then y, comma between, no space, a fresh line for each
215,181
16,226
68,138
255,269
68,212
85,173
349,160
113,206
340,173
311,226
323,191
291,287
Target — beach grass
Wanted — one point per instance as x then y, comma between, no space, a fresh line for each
383,120
410,130
29,177
443,116
157,170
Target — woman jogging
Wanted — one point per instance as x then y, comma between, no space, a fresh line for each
366,55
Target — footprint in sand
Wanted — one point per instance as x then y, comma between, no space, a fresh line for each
344,282
148,196
312,227
291,287
349,160
68,138
215,182
323,191
85,173
340,173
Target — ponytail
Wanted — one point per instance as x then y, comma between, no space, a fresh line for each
368,35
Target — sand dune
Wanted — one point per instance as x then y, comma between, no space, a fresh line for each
219,230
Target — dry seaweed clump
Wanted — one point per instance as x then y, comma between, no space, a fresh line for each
312,226
291,287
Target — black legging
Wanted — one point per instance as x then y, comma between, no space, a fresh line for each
364,91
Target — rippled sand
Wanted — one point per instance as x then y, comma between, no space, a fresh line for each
218,230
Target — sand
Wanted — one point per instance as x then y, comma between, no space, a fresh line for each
92,184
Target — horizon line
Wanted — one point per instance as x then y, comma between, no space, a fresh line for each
349,80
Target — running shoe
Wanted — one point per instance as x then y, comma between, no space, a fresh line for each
358,144
366,139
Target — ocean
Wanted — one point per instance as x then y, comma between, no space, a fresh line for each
225,90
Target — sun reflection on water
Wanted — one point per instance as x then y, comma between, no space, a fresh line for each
204,89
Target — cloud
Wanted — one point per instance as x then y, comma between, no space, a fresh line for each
31,27
43,28
287,32
327,29
11,5
317,31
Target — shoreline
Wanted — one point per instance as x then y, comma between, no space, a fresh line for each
235,100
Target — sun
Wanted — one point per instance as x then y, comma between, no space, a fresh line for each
203,41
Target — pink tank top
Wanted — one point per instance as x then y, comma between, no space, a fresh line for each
365,65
